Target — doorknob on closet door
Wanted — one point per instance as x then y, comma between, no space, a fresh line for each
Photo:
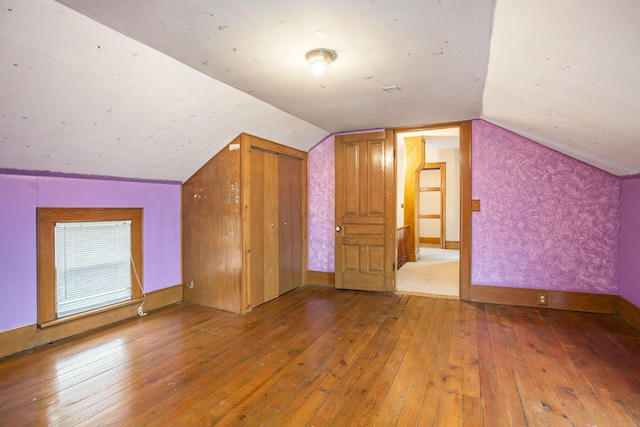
285,223
338,228
272,225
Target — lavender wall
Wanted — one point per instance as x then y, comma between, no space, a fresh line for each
322,206
322,211
630,241
20,195
547,221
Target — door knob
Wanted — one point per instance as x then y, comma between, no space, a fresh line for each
285,223
338,228
272,225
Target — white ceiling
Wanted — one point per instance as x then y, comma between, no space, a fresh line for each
153,89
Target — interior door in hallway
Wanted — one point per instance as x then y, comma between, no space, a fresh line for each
365,212
432,204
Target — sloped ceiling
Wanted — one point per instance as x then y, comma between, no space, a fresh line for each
564,73
143,89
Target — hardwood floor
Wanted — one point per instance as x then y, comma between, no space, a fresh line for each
321,357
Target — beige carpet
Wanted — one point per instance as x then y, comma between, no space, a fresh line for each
435,274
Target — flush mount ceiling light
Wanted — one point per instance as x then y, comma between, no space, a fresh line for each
319,59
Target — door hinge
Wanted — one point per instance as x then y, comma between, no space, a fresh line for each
393,267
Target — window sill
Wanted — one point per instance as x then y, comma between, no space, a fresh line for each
78,316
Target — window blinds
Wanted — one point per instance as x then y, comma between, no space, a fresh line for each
92,265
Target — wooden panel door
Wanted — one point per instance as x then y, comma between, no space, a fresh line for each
264,275
432,204
365,211
290,181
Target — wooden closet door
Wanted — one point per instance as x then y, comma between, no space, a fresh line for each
264,273
290,222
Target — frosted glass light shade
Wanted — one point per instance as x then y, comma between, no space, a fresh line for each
319,59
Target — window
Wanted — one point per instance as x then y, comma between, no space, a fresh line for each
92,265
88,261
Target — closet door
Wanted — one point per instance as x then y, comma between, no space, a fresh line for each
290,222
264,268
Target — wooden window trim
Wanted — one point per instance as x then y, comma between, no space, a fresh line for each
46,219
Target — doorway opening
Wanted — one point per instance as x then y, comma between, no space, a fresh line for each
428,211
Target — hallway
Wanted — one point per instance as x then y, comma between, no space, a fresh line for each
436,273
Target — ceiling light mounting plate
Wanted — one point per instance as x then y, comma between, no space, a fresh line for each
319,59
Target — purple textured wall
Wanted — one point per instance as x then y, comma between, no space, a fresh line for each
322,206
630,241
20,195
547,221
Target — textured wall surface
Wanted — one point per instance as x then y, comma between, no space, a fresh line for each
322,206
20,195
630,241
547,221
322,203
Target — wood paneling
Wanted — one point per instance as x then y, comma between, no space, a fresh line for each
30,336
212,232
319,356
244,225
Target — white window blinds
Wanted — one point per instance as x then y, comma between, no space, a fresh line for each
92,265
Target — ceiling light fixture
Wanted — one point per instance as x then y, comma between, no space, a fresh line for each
319,59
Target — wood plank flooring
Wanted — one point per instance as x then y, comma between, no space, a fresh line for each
321,357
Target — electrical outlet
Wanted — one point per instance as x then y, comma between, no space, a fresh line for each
542,299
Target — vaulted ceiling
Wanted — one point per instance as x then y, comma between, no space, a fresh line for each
153,89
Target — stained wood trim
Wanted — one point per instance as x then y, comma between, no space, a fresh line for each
30,336
430,240
465,210
266,145
451,244
75,317
526,297
428,295
436,126
46,219
246,209
321,278
630,313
